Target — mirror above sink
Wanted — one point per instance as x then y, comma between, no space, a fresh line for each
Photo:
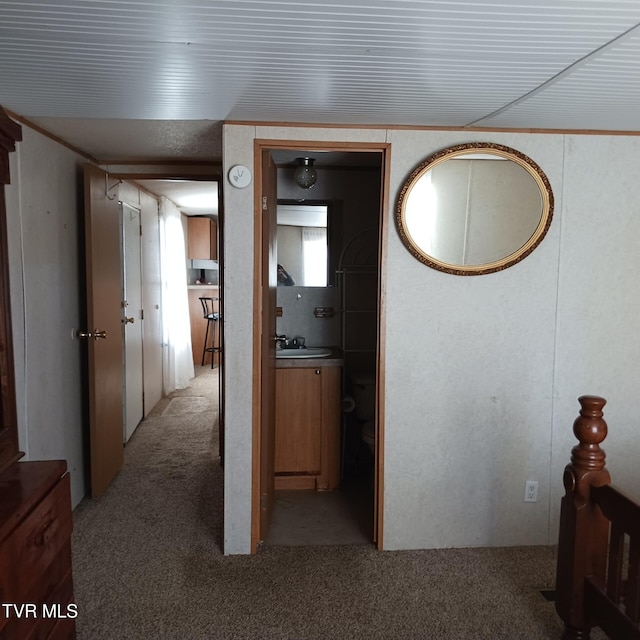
302,240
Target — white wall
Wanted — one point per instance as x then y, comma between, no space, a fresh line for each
482,373
44,210
597,340
45,213
238,343
470,373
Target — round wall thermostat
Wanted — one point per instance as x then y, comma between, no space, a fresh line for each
239,176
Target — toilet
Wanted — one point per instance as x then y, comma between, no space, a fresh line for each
364,393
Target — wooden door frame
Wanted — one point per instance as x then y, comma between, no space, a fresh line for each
384,149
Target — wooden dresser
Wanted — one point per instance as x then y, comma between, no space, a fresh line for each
35,552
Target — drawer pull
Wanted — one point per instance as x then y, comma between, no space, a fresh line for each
43,538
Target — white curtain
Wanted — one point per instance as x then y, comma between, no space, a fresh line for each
314,256
178,356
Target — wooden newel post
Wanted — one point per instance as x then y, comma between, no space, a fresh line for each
584,532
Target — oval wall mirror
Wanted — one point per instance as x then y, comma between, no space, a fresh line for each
474,208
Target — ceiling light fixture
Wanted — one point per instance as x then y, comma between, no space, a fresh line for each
305,175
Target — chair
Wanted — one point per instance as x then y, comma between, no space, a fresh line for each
212,317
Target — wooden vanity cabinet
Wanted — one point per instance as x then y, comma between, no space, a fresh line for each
203,238
307,430
298,421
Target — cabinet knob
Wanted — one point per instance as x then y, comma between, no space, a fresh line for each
317,372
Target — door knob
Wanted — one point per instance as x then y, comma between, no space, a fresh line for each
95,334
131,320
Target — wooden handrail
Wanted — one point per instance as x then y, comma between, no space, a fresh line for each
595,520
618,507
584,531
624,515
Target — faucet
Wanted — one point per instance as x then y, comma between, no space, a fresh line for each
282,342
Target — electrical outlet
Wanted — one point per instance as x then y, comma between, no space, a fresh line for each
531,491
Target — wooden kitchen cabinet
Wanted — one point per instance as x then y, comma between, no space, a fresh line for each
203,238
307,430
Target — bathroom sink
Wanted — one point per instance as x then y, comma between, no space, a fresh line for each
308,352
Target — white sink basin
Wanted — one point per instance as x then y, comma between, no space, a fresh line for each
308,352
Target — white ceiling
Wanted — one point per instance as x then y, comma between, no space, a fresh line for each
153,79
192,197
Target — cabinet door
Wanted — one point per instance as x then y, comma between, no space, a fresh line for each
199,242
298,438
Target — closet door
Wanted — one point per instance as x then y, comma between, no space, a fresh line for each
133,319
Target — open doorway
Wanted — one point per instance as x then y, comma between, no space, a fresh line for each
198,204
156,220
326,442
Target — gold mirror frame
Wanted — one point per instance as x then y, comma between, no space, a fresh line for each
508,153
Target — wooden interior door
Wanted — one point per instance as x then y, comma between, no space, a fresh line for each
268,357
104,330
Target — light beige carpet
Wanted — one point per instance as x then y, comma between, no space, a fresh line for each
183,405
148,564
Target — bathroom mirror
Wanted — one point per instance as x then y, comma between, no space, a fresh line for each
474,208
303,244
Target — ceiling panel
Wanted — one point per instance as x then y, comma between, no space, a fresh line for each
551,63
605,88
112,140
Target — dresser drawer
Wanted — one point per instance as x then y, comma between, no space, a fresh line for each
33,546
63,630
55,591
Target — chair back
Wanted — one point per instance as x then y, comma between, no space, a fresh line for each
207,308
